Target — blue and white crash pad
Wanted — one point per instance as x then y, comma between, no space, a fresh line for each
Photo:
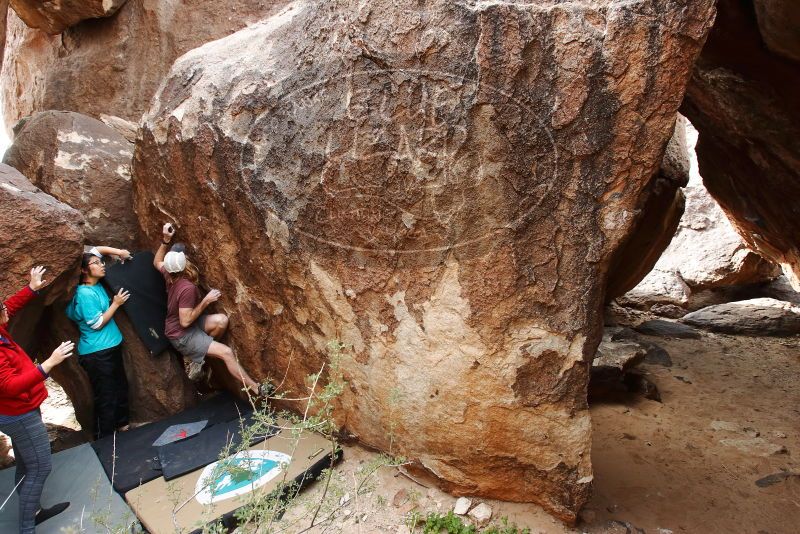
217,490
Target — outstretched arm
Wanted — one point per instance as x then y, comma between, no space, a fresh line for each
18,301
13,383
166,236
111,251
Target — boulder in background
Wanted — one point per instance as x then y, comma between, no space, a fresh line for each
113,65
83,163
55,16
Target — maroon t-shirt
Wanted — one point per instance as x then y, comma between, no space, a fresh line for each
181,293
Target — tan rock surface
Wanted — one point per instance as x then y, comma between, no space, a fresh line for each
56,15
126,128
441,190
112,66
83,163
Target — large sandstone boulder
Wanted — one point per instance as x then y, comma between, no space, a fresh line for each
54,16
440,189
754,317
743,100
83,163
37,229
113,65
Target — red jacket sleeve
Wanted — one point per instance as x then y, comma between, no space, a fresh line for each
14,382
18,301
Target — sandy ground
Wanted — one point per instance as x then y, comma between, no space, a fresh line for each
729,416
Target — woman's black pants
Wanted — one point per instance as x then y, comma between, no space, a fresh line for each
32,453
107,375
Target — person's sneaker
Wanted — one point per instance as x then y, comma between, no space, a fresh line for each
195,371
46,513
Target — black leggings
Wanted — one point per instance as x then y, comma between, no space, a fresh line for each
107,375
32,453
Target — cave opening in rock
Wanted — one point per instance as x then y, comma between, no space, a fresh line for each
693,382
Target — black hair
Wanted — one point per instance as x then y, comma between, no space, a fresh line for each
85,259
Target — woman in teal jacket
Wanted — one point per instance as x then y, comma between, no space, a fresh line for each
100,344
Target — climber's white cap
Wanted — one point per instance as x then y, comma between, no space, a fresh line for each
175,262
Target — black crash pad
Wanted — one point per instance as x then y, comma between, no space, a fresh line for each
136,459
184,456
147,307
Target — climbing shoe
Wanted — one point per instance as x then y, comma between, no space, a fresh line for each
46,513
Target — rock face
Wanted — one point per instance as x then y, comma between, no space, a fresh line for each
618,356
441,190
3,17
663,207
54,17
754,317
779,25
706,253
113,65
83,163
744,102
36,229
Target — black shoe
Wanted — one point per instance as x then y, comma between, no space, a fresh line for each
46,513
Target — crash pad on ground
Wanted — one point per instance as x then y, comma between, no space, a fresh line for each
136,459
77,477
187,455
214,493
147,306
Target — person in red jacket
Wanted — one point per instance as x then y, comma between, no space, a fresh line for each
22,391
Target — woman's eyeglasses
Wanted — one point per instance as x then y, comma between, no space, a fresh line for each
97,263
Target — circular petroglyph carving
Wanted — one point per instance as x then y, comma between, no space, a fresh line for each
399,161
